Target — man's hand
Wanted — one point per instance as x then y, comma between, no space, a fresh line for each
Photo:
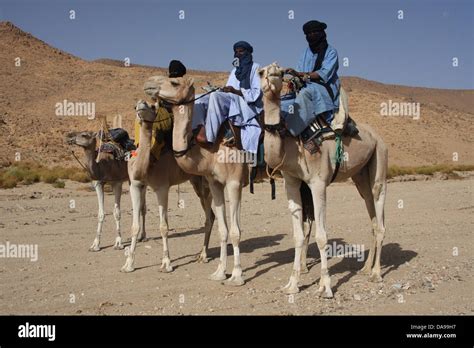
230,89
291,71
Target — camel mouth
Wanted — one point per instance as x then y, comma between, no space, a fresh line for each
70,139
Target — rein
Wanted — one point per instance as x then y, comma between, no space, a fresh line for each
82,165
192,100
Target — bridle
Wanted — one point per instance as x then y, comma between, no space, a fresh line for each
274,128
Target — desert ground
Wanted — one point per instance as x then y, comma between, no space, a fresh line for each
427,257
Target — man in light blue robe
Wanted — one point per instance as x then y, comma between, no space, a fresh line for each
240,101
318,67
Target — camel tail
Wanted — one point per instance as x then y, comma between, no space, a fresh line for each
307,202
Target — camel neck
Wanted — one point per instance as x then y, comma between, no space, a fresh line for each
272,109
142,160
273,142
182,131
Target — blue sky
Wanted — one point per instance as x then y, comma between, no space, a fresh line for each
415,51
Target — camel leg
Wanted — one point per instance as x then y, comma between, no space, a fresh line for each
117,188
380,234
379,202
362,183
217,191
234,190
136,192
378,183
304,251
99,189
292,187
162,195
205,198
318,190
142,234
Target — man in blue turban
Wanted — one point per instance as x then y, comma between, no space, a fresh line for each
318,67
240,101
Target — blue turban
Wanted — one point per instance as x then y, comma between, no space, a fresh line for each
243,70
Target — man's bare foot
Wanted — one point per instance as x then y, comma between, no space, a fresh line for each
201,137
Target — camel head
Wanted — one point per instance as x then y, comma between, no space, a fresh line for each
271,79
83,139
177,90
145,112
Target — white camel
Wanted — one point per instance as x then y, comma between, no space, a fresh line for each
366,164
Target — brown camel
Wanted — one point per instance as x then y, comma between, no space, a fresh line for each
220,171
145,170
107,170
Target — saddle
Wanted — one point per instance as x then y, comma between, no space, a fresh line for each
115,144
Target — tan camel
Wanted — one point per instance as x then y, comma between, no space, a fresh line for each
108,170
145,170
220,171
365,162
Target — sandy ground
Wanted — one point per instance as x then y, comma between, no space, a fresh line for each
427,257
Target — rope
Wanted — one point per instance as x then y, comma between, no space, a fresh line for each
85,168
272,175
192,100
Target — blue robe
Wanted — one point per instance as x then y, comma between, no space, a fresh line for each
313,99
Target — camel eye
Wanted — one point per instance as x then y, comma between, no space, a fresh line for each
174,83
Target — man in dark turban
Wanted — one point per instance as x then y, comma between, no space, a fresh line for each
176,69
318,67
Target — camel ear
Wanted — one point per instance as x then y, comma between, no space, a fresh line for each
191,81
261,72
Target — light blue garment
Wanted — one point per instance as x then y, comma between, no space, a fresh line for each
213,110
313,99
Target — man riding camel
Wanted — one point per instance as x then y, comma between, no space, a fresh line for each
240,101
317,68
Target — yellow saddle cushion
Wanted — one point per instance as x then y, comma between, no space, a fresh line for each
163,124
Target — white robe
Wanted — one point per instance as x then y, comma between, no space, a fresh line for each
212,110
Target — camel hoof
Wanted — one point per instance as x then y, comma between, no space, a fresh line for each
166,269
127,269
118,247
218,276
234,281
304,270
375,278
143,239
290,290
202,259
324,294
94,248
